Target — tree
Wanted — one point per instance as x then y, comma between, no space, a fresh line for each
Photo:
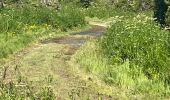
160,11
86,3
144,4
1,4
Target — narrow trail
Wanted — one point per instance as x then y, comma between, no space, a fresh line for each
48,64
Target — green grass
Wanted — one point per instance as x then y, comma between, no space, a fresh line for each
140,41
120,77
132,55
104,12
22,26
25,90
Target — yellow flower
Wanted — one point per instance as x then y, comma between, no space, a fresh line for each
32,27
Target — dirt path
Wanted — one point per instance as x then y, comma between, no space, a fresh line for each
48,64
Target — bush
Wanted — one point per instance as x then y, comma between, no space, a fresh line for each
100,12
132,5
104,12
142,43
86,3
70,17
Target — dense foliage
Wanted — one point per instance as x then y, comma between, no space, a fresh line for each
142,43
160,11
86,3
133,54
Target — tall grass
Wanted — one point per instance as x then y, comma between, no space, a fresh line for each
17,25
20,88
133,54
20,27
141,42
15,91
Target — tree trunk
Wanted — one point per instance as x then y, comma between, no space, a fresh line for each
160,11
1,4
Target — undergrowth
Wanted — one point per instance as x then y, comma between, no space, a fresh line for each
21,89
22,26
133,55
142,43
